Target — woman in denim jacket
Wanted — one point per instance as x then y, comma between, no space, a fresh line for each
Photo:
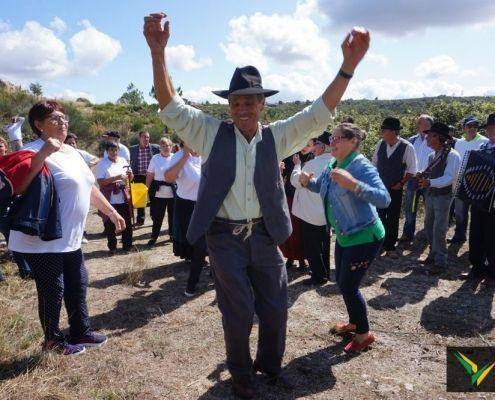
351,190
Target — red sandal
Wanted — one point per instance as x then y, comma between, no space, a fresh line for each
341,328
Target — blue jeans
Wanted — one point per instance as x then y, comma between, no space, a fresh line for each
461,219
351,264
436,225
410,211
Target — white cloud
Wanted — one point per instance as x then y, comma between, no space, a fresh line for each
377,58
183,57
89,57
36,53
437,67
295,86
4,26
58,25
398,17
69,94
202,95
278,40
401,89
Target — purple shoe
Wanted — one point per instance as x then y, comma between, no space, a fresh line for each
64,348
91,339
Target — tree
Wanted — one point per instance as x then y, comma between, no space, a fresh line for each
132,96
152,92
36,89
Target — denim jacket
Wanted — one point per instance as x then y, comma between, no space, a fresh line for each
353,211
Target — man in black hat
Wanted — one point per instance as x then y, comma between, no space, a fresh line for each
308,207
482,225
438,179
241,202
396,162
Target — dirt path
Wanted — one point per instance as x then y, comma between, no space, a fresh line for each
163,345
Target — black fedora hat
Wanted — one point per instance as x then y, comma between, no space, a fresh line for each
391,123
324,138
246,80
490,120
441,130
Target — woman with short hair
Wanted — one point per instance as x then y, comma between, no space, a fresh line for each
58,264
161,193
112,174
186,173
351,190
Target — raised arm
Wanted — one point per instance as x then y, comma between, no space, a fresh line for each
157,36
354,47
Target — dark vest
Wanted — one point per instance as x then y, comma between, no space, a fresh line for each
391,169
436,172
218,176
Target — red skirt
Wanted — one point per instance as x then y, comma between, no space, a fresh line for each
292,247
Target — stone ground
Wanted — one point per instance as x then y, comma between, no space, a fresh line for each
163,345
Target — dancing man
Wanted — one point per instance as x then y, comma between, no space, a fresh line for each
241,203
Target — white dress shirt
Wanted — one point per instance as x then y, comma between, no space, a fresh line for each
308,205
422,151
409,157
449,177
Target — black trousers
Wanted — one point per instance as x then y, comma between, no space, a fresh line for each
390,218
316,247
140,211
60,276
158,207
482,243
123,210
250,277
197,263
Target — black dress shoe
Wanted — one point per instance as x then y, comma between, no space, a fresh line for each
455,240
151,242
313,282
242,386
274,379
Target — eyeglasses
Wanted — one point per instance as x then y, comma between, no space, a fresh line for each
58,119
337,138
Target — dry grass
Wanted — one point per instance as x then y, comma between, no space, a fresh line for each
165,346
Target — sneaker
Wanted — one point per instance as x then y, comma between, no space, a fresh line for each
84,240
190,291
91,339
356,347
64,348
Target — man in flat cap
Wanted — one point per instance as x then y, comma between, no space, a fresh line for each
241,204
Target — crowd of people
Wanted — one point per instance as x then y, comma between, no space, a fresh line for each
252,198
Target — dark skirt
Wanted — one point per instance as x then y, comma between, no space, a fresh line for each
292,248
183,210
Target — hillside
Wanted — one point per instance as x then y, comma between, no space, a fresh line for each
89,120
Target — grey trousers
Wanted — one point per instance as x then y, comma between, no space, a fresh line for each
250,277
436,226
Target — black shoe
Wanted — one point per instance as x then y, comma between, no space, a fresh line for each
405,239
455,240
274,379
289,263
437,269
151,242
139,223
313,282
302,266
242,386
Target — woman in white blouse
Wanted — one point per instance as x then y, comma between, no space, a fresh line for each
161,193
186,173
58,265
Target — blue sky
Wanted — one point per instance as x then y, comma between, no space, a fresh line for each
95,48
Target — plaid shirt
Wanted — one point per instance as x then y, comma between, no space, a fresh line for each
144,158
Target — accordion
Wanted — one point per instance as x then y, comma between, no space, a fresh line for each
476,181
